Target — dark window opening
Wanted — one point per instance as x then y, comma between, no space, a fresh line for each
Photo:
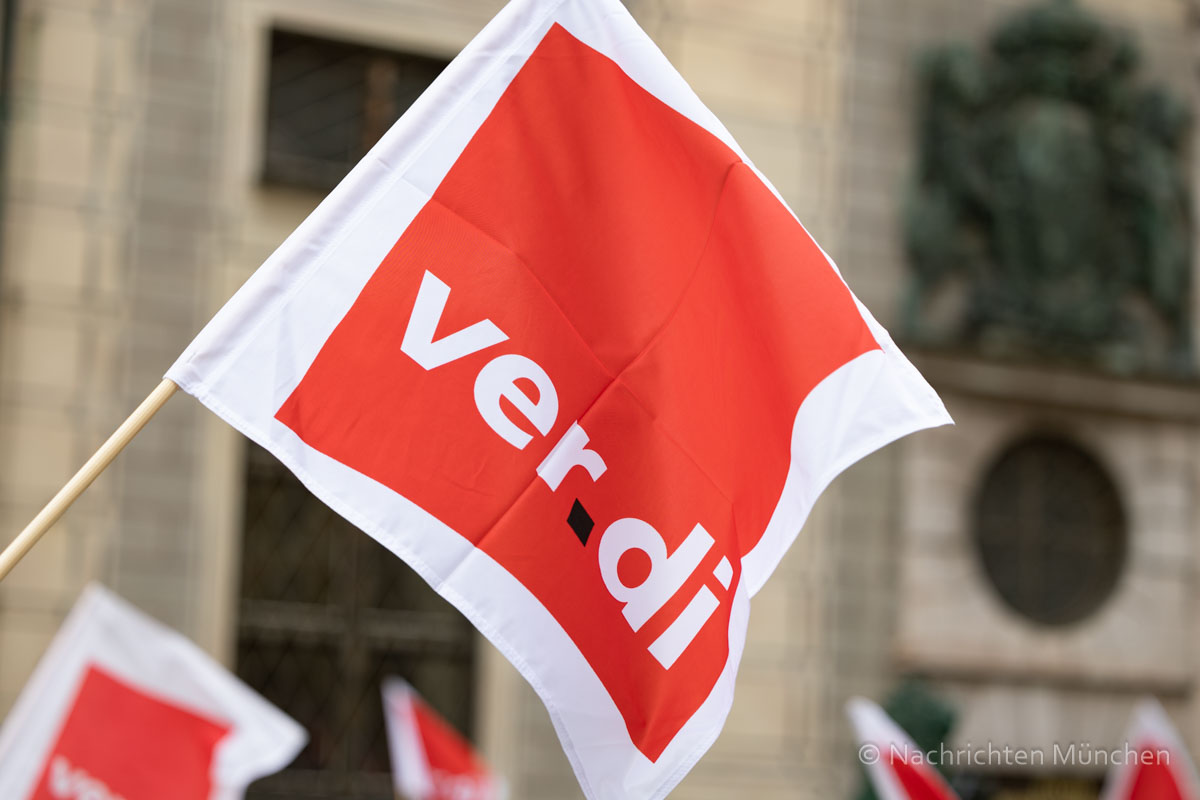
328,102
326,613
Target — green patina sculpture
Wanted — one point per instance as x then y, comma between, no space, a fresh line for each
1051,211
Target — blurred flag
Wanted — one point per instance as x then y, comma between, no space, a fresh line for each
431,760
559,345
1154,764
899,770
123,708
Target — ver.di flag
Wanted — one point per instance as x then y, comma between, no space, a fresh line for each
898,769
430,759
123,708
557,344
1154,763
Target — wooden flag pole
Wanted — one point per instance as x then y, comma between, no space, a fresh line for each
83,479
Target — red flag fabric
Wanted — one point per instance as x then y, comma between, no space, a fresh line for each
1154,764
430,759
560,346
119,739
122,708
899,770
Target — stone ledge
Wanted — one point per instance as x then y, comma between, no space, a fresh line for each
985,671
1059,387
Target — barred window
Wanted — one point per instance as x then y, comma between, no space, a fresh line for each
328,102
326,613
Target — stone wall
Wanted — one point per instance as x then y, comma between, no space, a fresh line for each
1014,681
112,227
1026,686
64,298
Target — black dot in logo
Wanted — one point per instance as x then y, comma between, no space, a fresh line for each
580,522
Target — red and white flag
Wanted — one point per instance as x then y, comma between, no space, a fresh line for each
557,344
899,770
123,708
430,759
1154,763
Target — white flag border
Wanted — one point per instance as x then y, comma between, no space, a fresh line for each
873,727
411,774
406,752
104,631
251,356
1151,727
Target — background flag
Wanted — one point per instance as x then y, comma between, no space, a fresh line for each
1154,764
559,345
899,770
123,708
430,759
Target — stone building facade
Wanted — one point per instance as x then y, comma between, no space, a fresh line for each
135,204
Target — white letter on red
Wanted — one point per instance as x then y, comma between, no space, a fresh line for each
498,379
422,327
571,451
667,574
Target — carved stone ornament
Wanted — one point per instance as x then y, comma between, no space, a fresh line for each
1050,215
